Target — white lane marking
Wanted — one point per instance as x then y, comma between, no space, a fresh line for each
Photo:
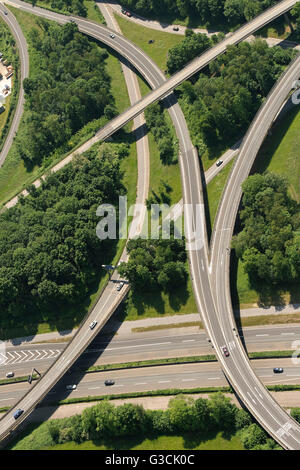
251,397
93,388
188,380
213,378
259,393
188,341
141,383
261,335
286,334
163,381
138,346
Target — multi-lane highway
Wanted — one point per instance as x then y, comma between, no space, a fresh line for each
143,346
24,70
197,375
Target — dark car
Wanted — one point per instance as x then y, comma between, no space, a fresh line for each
18,413
109,382
225,351
278,370
123,11
175,28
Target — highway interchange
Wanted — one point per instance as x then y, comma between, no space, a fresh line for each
218,323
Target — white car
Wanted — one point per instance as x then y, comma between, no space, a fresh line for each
219,162
71,387
10,374
120,285
93,324
112,35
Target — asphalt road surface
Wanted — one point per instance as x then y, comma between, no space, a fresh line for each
24,71
153,378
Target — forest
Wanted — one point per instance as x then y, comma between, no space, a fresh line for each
50,255
222,101
69,88
155,264
269,242
209,12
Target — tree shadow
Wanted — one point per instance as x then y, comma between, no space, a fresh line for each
178,297
144,301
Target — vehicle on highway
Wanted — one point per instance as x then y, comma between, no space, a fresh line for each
93,324
278,370
175,28
219,162
128,14
120,285
112,35
18,413
72,21
5,12
10,374
109,382
71,387
225,351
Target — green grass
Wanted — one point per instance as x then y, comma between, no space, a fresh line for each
207,441
215,190
157,303
14,177
140,36
279,154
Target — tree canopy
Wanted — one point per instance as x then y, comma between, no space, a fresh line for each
50,255
269,244
67,88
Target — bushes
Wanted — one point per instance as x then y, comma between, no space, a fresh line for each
155,263
158,126
183,415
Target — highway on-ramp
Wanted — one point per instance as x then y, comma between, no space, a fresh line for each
237,367
12,23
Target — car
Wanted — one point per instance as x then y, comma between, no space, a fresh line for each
120,285
109,382
128,14
151,41
5,12
18,413
225,351
278,370
219,162
71,387
72,21
93,324
112,35
10,374
175,28
123,11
